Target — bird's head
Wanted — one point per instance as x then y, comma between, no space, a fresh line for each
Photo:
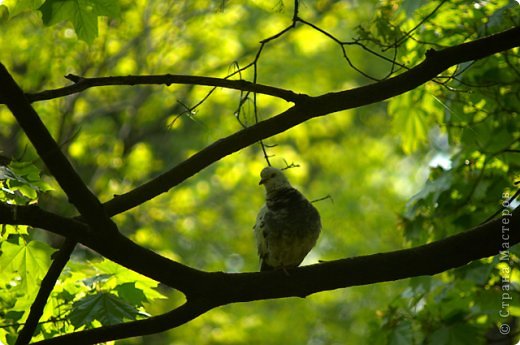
273,179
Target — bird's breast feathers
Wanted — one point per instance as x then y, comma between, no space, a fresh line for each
286,228
288,208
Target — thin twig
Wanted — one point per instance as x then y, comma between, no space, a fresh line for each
328,196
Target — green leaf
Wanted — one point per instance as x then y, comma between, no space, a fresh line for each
409,119
500,139
130,293
83,14
6,230
429,194
6,173
99,278
22,182
458,334
123,275
29,261
402,334
477,271
104,307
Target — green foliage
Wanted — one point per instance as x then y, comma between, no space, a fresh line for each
22,266
83,14
104,307
24,263
89,293
21,183
475,144
431,163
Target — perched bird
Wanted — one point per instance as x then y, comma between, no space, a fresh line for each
287,226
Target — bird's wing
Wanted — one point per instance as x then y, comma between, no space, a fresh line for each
260,230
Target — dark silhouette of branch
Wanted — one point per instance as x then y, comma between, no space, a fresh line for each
68,179
309,107
49,151
358,42
408,34
207,290
114,246
83,83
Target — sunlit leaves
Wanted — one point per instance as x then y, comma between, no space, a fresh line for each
120,275
102,292
23,262
23,265
20,183
6,230
83,14
413,114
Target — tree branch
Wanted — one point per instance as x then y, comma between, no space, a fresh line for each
49,151
177,317
68,179
115,247
218,288
47,284
82,83
485,240
311,107
482,241
34,216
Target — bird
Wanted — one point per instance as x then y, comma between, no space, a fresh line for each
287,226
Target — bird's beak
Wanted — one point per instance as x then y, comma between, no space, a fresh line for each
262,181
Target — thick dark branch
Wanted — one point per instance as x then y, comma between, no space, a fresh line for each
68,179
36,217
214,289
310,107
488,239
221,288
49,151
115,247
81,84
435,63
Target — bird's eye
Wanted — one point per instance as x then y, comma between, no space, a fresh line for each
272,175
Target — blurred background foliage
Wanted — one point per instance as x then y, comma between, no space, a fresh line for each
417,168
